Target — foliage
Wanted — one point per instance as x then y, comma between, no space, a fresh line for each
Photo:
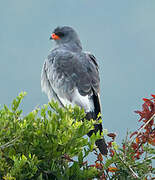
132,160
50,143
34,146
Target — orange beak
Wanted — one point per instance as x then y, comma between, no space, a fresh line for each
54,36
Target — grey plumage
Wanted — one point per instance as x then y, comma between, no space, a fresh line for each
71,76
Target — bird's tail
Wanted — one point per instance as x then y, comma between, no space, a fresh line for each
100,143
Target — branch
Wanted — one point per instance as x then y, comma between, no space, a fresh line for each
8,143
140,130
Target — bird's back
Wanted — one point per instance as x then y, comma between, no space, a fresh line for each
73,77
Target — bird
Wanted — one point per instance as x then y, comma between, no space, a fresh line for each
71,77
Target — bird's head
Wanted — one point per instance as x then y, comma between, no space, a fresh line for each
65,34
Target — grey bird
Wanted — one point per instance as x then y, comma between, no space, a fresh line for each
71,77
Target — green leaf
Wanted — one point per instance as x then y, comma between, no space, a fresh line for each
40,177
80,158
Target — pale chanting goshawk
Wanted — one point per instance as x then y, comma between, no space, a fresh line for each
71,77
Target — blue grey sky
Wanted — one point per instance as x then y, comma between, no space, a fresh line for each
121,34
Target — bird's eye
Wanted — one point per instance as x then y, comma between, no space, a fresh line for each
60,34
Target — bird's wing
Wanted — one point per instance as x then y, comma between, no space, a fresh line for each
93,71
66,72
96,85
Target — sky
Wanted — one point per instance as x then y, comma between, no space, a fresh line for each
121,35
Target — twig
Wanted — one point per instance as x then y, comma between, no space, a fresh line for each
133,173
8,143
145,125
143,128
126,142
107,174
65,156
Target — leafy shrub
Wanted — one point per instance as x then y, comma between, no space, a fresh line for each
35,146
50,143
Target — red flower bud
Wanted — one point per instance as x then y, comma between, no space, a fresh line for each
99,166
100,158
153,95
112,135
145,99
112,169
112,152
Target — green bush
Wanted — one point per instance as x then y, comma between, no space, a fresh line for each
35,146
50,144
